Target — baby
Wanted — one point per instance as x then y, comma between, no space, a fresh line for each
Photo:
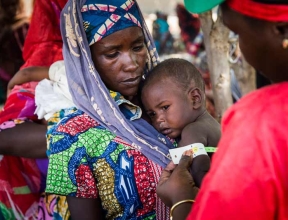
173,96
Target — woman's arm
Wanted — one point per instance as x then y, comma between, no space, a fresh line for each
24,140
85,209
28,74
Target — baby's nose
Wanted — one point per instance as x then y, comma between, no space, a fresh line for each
161,125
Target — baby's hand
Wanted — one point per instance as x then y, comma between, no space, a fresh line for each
199,168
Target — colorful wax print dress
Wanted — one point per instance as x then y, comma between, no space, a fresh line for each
88,161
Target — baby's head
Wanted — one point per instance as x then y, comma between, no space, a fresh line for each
173,96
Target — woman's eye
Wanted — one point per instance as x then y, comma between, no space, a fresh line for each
138,48
111,55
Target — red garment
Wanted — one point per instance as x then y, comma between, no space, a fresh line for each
20,179
249,173
19,194
20,104
265,11
43,44
190,26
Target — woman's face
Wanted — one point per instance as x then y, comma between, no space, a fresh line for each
120,60
259,43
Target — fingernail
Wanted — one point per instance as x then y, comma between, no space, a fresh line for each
188,153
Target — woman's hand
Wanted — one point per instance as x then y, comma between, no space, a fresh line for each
176,182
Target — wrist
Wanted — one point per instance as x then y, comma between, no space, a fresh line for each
186,195
181,209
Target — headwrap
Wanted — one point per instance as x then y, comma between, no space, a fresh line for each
269,10
88,90
258,9
102,19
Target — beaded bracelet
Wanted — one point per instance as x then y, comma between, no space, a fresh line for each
179,203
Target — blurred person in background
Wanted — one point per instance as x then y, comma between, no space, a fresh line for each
162,35
14,26
22,136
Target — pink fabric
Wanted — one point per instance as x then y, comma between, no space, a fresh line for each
20,104
7,124
249,174
28,87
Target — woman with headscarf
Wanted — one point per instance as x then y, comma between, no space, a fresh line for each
103,156
248,178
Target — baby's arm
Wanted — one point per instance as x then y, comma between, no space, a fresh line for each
194,133
28,74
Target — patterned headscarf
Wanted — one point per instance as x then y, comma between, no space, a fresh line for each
106,17
90,93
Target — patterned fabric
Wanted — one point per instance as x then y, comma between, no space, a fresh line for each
90,93
53,207
101,19
20,193
130,111
88,161
18,197
22,180
20,105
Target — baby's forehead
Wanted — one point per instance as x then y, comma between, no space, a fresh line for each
159,82
162,86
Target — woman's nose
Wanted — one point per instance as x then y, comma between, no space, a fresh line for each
130,62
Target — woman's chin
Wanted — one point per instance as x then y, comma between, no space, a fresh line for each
130,93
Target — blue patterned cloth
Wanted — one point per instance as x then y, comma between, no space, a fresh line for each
88,161
107,17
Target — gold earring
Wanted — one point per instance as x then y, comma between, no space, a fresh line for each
285,43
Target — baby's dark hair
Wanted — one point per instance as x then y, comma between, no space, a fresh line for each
182,71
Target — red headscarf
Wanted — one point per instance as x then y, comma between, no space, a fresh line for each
265,11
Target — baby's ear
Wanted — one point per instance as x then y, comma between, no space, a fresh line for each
196,97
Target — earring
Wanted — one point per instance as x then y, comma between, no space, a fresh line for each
285,43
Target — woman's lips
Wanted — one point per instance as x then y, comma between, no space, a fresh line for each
132,81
